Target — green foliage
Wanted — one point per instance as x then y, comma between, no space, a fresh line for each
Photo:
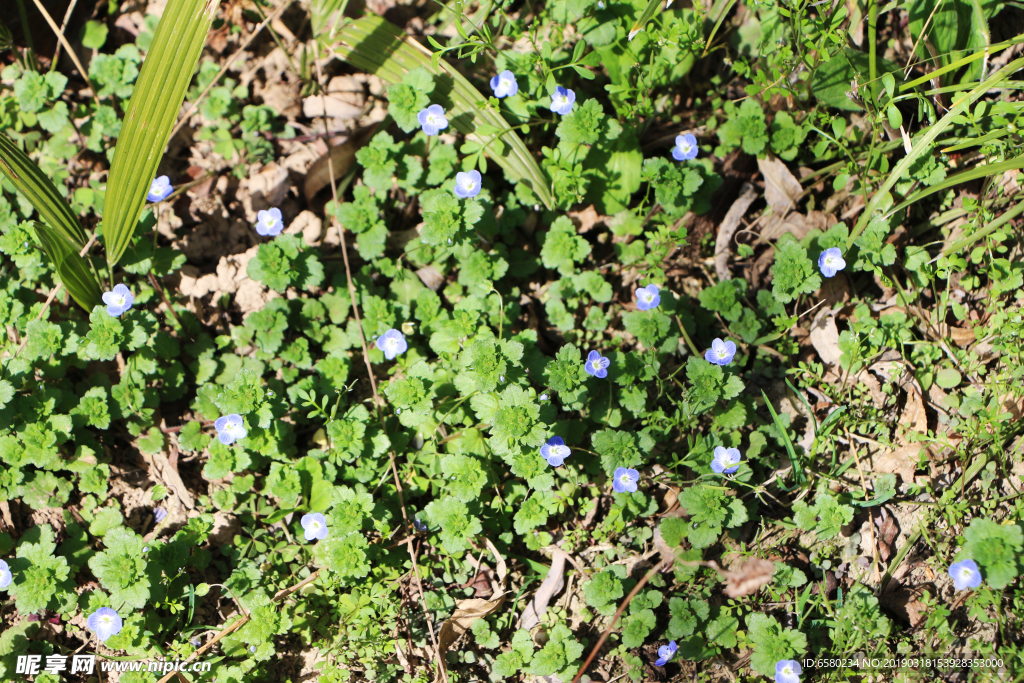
283,263
997,548
772,643
563,248
827,516
793,273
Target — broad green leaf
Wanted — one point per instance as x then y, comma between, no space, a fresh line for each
320,13
377,46
30,180
73,269
151,114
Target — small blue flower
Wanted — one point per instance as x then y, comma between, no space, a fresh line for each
252,648
666,653
5,575
392,343
965,574
726,460
467,184
119,300
432,119
788,671
269,222
504,84
562,100
720,353
160,189
104,622
543,397
195,641
596,365
230,429
418,525
647,297
555,451
315,526
160,514
686,147
625,480
831,261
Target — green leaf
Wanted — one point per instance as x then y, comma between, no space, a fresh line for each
95,35
150,116
375,45
649,11
36,186
72,268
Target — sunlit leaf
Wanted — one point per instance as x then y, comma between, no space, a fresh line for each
151,114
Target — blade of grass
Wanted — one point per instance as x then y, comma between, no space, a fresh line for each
925,142
652,7
953,66
377,46
71,53
150,116
40,191
986,231
798,468
964,176
72,268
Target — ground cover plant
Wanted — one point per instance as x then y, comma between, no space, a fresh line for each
522,341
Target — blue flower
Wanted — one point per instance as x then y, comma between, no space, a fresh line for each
686,147
432,119
269,222
5,575
788,671
726,460
195,641
160,514
965,574
625,480
418,525
104,622
252,648
160,189
666,653
831,261
230,429
392,343
720,353
543,397
119,300
555,451
467,184
562,100
315,526
504,84
596,365
647,297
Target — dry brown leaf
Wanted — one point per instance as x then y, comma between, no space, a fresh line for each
776,225
586,219
901,462
551,586
340,160
749,578
781,188
962,337
430,277
906,603
825,337
468,611
727,228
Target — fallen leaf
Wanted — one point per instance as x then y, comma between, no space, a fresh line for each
902,462
338,105
430,277
468,611
905,603
825,338
749,578
727,228
551,586
586,219
776,225
781,188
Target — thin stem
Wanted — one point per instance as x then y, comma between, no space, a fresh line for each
67,46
